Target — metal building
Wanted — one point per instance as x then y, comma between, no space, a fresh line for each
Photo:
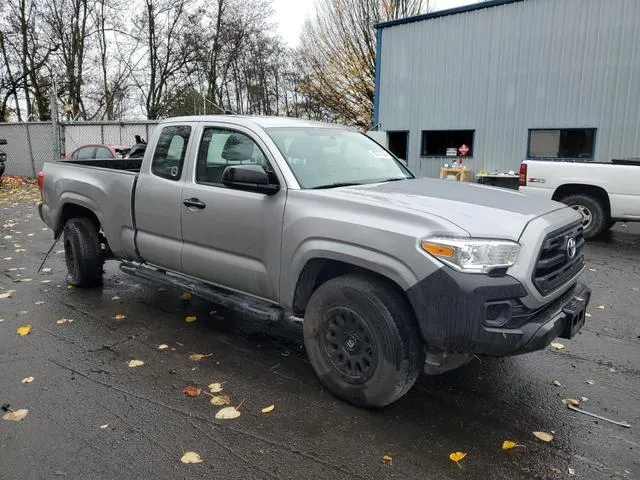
511,79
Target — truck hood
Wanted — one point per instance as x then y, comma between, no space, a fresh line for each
482,211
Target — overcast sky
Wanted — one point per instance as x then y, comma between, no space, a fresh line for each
290,14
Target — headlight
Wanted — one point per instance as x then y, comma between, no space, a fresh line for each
472,255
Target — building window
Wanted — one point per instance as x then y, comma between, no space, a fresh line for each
443,143
562,143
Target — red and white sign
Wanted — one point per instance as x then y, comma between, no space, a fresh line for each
463,150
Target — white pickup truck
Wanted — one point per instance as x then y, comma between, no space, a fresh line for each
604,193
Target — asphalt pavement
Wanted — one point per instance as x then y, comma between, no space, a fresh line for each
91,416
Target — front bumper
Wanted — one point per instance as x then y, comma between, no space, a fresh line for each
470,313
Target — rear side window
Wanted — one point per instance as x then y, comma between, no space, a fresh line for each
85,153
168,158
102,152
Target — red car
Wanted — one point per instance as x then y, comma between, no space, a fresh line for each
98,151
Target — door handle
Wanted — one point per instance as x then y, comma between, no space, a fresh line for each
194,203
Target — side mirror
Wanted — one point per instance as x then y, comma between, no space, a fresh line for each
3,141
251,178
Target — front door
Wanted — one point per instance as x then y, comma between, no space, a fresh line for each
231,237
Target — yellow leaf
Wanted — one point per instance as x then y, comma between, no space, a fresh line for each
600,307
388,459
215,387
16,415
589,382
456,457
27,380
219,400
7,294
185,296
39,302
508,445
63,320
106,425
191,457
557,383
69,287
228,413
198,356
269,409
24,330
190,318
135,363
120,316
557,345
163,346
544,436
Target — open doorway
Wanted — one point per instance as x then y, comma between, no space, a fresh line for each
398,142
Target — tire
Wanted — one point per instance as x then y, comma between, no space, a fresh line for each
362,340
593,213
83,253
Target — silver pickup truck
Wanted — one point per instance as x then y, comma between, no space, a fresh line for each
391,275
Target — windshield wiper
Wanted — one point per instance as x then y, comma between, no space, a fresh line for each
336,185
392,179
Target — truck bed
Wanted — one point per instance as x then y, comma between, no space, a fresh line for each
105,190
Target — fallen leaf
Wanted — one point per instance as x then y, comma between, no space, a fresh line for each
190,318
25,280
45,270
27,380
557,383
220,400
544,436
185,296
15,415
584,399
191,457
268,409
593,270
215,387
7,258
601,307
120,316
228,413
135,363
508,445
63,320
24,330
388,459
198,356
39,302
69,287
115,298
163,346
106,425
589,382
456,457
557,345
588,315
557,471
571,401
7,294
571,471
191,391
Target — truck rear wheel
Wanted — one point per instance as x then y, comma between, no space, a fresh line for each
362,340
83,253
594,218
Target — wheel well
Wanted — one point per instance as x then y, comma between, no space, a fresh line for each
71,210
319,270
598,193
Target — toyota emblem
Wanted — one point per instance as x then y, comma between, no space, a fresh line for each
571,247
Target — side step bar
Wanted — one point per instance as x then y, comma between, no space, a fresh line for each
229,300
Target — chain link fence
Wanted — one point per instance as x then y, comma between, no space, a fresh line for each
31,144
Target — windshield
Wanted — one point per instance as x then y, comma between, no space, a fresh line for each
328,157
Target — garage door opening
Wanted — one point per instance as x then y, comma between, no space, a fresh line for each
397,142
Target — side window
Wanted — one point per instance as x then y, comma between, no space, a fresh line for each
220,148
85,153
102,152
168,158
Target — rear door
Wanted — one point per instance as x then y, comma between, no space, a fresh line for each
231,237
158,198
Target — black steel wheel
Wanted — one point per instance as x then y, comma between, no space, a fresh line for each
362,340
83,253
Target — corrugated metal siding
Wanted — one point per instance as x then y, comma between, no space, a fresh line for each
503,70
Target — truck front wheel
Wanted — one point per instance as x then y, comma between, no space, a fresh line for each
362,340
83,253
594,218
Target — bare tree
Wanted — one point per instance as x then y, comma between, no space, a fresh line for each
338,45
